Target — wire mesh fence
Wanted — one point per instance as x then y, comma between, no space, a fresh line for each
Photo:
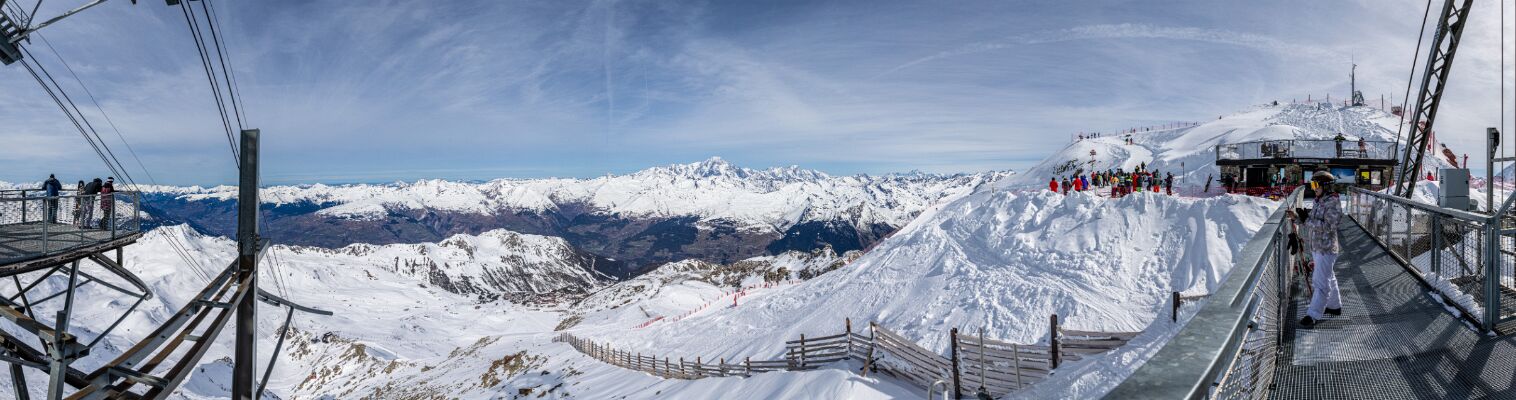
1451,250
35,225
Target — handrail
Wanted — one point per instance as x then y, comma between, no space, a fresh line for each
1192,361
1306,148
1432,208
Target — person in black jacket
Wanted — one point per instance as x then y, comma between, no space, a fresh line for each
51,187
86,200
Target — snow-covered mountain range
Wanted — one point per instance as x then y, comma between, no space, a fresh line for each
709,210
971,252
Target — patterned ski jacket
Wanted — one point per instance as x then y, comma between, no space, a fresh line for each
1321,225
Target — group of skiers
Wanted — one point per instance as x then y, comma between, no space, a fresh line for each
86,193
1119,181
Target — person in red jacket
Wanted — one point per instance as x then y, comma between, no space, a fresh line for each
1053,185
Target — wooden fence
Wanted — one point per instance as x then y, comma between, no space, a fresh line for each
973,364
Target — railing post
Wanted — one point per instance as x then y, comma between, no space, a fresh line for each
46,231
1053,341
1435,228
1175,314
1408,226
1491,256
747,366
953,349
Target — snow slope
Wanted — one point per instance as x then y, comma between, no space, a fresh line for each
1189,152
1007,255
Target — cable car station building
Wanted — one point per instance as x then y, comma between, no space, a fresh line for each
1268,166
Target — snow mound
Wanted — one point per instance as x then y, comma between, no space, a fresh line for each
1189,152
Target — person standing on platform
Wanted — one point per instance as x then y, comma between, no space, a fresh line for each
108,203
1321,239
85,200
78,207
51,187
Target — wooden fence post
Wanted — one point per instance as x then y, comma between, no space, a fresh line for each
722,367
848,334
1016,355
1176,307
682,374
747,366
869,363
982,375
699,368
668,370
638,364
802,351
1053,341
953,336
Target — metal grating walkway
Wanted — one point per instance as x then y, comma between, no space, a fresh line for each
1393,341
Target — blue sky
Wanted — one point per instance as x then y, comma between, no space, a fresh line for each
349,91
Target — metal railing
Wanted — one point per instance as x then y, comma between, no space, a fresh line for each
1466,257
1229,349
1307,148
35,225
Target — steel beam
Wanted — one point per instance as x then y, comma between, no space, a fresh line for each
1434,79
245,356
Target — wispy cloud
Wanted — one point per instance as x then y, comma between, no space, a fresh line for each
379,90
1133,31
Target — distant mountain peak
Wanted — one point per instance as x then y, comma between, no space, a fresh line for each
719,168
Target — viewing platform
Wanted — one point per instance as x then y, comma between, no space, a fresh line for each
37,231
1307,151
1273,168
1426,313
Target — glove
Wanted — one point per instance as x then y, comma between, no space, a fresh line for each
1293,243
1302,214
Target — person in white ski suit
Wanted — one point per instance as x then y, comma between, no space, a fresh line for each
1321,240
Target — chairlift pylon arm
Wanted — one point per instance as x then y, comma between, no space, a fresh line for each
29,29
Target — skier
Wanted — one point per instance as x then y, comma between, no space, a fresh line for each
1168,184
1321,239
1053,185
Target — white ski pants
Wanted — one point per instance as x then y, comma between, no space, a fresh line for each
1324,293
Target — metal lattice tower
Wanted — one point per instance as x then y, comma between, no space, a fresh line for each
1449,30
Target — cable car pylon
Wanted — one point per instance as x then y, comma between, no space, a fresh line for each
159,363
